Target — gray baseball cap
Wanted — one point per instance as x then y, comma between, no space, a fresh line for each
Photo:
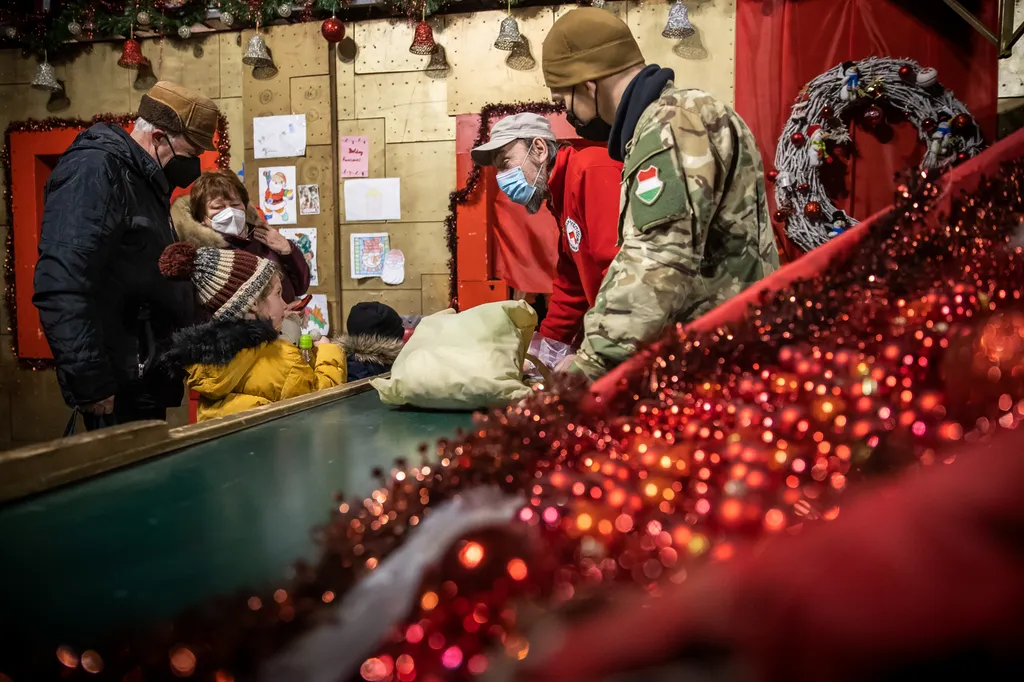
525,126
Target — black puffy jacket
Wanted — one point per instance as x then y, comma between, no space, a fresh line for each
103,304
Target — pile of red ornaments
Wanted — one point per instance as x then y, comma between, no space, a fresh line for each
914,342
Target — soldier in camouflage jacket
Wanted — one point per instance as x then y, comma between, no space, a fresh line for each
693,218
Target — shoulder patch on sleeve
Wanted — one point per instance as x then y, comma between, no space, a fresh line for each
656,190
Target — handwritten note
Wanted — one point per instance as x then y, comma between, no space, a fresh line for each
355,156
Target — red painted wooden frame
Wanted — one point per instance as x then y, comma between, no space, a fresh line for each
33,156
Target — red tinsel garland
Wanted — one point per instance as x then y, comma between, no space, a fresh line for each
222,143
461,196
912,343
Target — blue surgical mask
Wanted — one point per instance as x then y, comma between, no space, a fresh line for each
513,183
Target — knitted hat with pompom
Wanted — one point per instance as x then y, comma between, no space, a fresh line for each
228,283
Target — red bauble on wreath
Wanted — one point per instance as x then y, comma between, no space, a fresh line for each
332,30
813,211
873,116
860,91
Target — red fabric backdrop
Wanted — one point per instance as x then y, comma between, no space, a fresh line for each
783,44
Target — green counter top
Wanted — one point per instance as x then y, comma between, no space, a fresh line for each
147,541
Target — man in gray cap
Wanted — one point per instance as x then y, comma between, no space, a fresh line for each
583,186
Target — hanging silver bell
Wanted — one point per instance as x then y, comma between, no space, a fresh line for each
438,66
508,34
520,59
45,78
678,25
264,72
256,52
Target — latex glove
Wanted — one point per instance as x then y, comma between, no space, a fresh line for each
565,364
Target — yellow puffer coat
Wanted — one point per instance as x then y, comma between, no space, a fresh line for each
236,365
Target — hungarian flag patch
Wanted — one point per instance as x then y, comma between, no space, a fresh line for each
649,185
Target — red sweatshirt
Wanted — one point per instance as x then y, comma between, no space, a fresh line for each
926,570
584,188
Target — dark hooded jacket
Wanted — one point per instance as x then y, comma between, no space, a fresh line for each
369,355
103,304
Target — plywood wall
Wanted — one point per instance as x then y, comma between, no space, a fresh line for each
408,113
382,91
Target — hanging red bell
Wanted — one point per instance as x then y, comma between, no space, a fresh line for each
332,30
131,55
423,40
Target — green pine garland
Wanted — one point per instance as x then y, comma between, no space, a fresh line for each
49,33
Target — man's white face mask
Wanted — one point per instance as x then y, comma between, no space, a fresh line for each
230,221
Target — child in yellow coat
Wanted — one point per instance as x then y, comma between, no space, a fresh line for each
236,361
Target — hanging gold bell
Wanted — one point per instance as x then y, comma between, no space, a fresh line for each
678,25
438,66
256,52
45,78
520,57
508,34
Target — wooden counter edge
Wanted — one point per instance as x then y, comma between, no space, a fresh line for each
41,467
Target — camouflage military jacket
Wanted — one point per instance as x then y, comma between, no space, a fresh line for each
693,226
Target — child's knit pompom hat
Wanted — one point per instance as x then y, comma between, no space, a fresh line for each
228,282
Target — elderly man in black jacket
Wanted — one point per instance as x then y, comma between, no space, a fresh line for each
102,302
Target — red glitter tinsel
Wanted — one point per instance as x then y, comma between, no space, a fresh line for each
910,344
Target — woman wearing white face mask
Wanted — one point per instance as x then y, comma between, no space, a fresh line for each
217,214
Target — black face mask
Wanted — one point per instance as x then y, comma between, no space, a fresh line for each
181,171
595,130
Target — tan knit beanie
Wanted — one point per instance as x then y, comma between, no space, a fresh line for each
586,44
228,282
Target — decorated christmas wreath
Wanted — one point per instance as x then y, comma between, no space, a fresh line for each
816,127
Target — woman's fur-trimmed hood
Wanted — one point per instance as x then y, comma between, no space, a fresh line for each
380,350
217,342
194,232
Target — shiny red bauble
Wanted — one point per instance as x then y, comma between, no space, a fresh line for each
908,74
929,125
804,188
773,175
873,116
827,112
332,30
812,211
798,139
780,216
962,124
